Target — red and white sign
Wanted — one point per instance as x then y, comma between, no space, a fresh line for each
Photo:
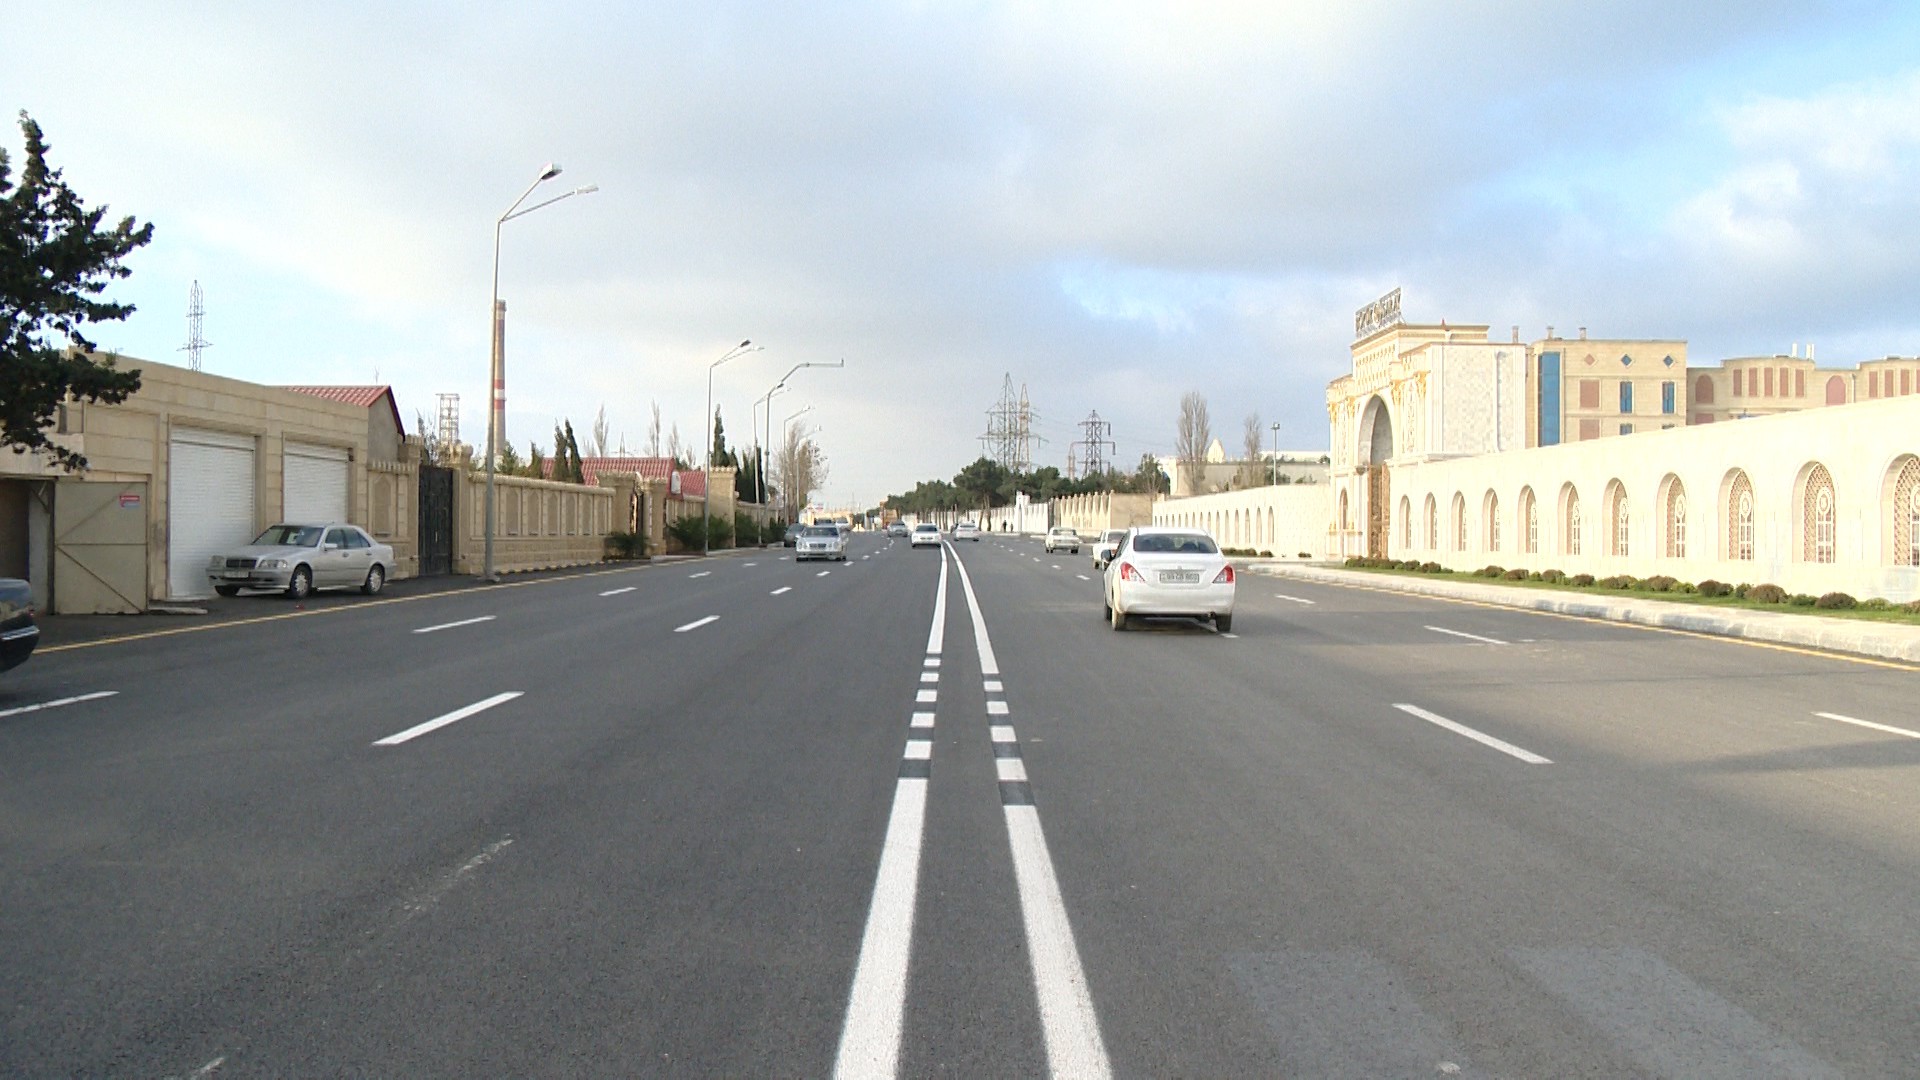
129,500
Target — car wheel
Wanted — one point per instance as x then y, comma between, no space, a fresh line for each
1117,617
300,585
1106,612
227,590
376,580
1223,623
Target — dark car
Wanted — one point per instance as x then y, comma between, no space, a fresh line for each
793,535
18,632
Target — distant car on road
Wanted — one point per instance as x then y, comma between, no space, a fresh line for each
1169,571
898,528
18,632
1104,548
926,533
821,542
967,530
1061,537
297,559
792,536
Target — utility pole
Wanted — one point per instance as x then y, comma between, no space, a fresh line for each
1094,438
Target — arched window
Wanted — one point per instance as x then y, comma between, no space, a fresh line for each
1676,519
1817,514
1459,522
1433,525
1343,511
1530,514
1740,516
1572,522
1703,390
1618,525
1492,525
1904,513
1406,523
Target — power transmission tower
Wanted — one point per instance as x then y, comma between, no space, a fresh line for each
449,429
1094,437
196,311
1010,439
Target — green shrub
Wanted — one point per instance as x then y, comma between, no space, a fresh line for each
1517,575
1535,576
1432,568
1266,554
1306,555
1580,580
1683,587
1911,607
748,533
1876,603
1766,594
1490,571
1801,599
1617,581
1552,577
686,531
626,545
1711,587
1836,601
1660,583
1740,591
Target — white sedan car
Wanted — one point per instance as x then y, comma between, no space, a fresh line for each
926,533
967,530
1061,538
1169,571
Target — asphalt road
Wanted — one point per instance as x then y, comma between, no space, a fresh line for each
924,813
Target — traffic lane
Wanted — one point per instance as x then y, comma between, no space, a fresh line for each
203,851
1272,755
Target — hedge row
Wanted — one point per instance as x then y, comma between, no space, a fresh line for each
1659,583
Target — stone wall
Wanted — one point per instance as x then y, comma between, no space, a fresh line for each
538,524
1288,521
1096,512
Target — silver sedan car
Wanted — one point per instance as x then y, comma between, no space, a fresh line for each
821,542
297,559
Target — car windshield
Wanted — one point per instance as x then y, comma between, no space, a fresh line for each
1114,537
290,536
823,530
1175,543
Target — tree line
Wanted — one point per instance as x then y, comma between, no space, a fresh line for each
986,484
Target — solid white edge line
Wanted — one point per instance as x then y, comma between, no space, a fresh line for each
989,665
1830,716
1464,634
696,624
95,696
451,625
1481,737
937,636
870,1036
442,721
1067,1018
617,592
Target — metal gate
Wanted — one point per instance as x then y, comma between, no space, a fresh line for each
100,548
436,520
1379,511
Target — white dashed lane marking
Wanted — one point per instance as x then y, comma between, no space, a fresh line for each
617,592
1295,599
781,589
1464,634
451,625
1831,716
95,696
1480,737
696,624
455,716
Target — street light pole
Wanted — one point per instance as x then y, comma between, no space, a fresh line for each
497,376
706,497
765,451
1276,453
785,435
777,387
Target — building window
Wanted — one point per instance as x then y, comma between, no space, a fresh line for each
1873,384
1800,384
1740,519
1703,390
1433,525
1667,398
1676,520
1531,509
1736,384
1617,518
1573,522
1459,522
1493,522
1549,418
1906,514
1589,393
1406,523
1817,517
1626,429
1906,382
1626,397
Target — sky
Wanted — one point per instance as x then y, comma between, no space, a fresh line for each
1110,204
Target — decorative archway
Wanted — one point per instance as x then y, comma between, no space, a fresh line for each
1376,447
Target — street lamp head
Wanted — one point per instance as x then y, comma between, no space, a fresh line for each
587,190
746,343
549,172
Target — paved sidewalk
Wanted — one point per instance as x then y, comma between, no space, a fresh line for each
1885,640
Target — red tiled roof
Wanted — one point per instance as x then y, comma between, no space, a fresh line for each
364,396
693,482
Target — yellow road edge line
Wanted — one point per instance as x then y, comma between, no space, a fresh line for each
151,634
1730,639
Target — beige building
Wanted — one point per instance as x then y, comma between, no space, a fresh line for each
1583,388
1749,386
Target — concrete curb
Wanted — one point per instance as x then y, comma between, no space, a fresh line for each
1807,631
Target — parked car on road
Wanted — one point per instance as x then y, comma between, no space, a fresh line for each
967,530
821,542
297,559
926,533
792,536
18,631
1169,571
1061,537
1104,548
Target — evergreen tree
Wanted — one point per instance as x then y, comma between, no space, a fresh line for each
576,472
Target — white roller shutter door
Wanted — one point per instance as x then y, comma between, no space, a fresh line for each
209,504
314,484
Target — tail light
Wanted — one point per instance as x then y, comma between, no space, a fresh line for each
1128,573
1225,576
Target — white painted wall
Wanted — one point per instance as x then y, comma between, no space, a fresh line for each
1286,519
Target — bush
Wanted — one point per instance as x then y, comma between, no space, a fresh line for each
1766,594
1711,587
1801,599
1876,604
1535,576
1580,581
626,545
686,531
1517,575
1432,568
1617,581
1836,601
1552,577
1490,571
1266,554
748,533
1911,607
1660,583
1683,587
1306,555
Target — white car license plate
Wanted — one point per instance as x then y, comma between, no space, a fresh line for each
1179,577
241,574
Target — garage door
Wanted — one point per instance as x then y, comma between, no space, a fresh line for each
315,483
209,504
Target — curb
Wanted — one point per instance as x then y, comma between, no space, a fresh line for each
1805,631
